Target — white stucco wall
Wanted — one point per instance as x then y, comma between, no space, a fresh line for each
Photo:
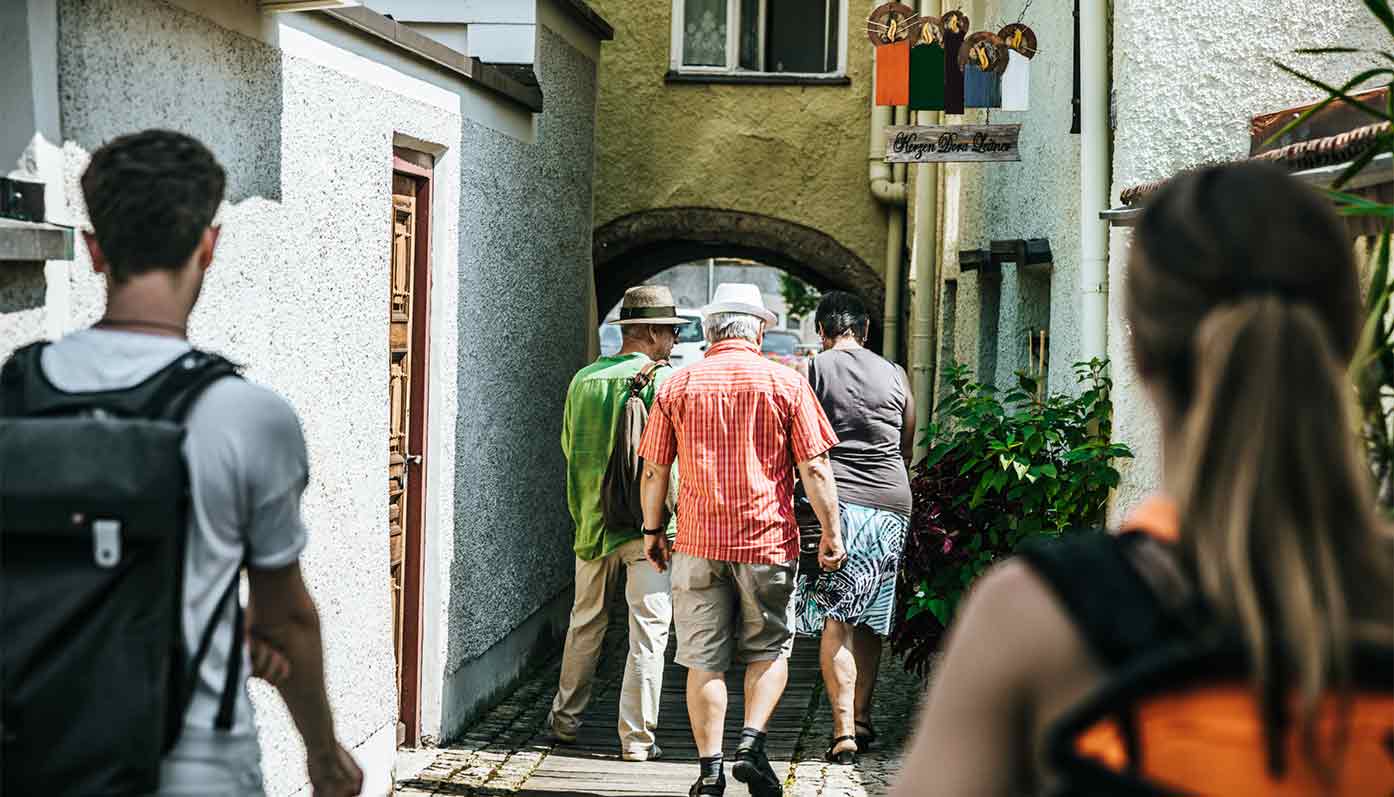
1037,197
1188,76
303,113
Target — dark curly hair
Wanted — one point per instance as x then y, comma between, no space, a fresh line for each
841,312
150,196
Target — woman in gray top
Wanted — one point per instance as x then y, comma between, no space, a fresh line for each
868,401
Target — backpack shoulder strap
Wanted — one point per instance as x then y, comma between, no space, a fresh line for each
641,380
185,380
167,394
17,379
1112,604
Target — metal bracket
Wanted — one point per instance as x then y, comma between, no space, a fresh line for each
106,542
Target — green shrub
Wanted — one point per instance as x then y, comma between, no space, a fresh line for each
1002,469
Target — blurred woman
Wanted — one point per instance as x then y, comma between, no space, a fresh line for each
868,401
1244,309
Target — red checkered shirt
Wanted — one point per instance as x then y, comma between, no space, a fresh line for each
738,425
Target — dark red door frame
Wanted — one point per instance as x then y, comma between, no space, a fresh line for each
413,564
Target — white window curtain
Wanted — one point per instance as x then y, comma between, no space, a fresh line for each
704,29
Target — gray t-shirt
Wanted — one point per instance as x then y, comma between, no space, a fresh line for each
864,397
247,468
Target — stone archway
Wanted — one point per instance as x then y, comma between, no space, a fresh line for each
638,246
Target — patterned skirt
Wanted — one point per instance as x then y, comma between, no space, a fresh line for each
862,591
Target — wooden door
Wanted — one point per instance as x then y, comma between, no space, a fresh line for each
409,279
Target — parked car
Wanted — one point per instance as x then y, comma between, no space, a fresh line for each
692,341
782,346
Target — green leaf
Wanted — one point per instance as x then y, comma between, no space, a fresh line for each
1352,205
940,608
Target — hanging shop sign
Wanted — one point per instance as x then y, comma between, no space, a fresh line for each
952,143
929,63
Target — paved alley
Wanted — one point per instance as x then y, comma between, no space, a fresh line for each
507,752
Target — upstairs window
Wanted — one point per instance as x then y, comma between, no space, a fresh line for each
759,37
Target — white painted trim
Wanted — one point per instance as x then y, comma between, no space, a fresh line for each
675,38
57,296
733,34
437,532
318,39
733,50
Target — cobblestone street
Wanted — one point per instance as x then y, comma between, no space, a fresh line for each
507,752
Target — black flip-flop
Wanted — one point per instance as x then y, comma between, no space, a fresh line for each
845,757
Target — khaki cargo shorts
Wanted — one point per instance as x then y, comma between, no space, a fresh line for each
729,611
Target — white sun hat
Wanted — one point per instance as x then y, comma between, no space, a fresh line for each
740,297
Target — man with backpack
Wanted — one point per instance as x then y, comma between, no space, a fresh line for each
600,437
139,478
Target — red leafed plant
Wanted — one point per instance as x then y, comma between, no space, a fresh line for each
1001,470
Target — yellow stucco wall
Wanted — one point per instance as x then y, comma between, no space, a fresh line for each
797,152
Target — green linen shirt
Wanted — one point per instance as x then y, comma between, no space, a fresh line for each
594,406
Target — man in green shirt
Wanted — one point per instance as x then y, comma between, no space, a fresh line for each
594,408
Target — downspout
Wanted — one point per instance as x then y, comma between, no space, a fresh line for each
924,260
1094,176
890,193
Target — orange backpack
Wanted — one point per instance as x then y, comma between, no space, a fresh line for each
1177,714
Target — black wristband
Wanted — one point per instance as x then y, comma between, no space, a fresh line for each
653,532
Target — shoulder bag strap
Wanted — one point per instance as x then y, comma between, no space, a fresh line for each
642,379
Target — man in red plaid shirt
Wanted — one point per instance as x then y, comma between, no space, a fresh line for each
738,425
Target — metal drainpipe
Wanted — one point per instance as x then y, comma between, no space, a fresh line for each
1094,169
891,193
924,261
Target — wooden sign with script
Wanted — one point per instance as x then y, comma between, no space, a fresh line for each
952,143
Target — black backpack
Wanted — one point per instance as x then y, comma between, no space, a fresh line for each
1149,628
94,505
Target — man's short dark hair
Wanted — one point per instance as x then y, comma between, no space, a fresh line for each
150,196
841,312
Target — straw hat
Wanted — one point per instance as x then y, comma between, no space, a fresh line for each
650,304
740,297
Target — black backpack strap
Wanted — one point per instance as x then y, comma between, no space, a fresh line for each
167,394
228,701
1108,600
189,376
14,378
232,684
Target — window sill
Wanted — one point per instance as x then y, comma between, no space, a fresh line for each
32,240
757,79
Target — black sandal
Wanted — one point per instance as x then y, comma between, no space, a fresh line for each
865,740
844,757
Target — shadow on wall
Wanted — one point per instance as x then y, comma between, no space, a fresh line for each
522,326
21,286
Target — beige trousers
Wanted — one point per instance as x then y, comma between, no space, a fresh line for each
650,615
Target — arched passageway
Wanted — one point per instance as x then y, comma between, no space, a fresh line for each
634,248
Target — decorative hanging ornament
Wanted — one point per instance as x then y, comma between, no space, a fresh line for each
955,22
891,23
931,31
984,50
1019,38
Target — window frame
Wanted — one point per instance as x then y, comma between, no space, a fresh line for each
733,46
